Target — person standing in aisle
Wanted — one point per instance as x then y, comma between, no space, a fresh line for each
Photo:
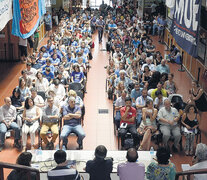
100,26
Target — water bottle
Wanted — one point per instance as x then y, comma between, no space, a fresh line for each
39,154
40,151
152,151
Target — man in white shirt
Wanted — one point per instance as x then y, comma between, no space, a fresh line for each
168,117
58,89
31,72
7,118
148,63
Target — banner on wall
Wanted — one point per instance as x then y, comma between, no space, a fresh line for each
185,26
5,12
26,16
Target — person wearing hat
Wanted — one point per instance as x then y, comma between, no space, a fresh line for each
72,123
100,168
18,174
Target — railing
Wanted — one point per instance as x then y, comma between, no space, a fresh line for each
15,166
189,173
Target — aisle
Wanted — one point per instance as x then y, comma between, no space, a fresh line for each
98,127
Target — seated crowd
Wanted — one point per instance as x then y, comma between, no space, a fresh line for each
51,88
141,85
139,82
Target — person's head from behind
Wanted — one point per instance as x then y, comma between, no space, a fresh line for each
100,152
24,159
163,155
60,156
201,152
132,155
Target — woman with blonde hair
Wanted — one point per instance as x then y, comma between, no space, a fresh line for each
148,125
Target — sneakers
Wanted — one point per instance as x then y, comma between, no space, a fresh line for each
64,148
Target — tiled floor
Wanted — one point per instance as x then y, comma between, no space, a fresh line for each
98,127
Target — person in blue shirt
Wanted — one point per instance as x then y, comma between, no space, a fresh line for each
55,60
48,64
72,123
48,74
44,51
76,75
49,46
161,27
74,42
136,42
135,93
112,26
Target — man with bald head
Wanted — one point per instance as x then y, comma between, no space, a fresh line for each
131,170
163,67
7,121
72,123
168,118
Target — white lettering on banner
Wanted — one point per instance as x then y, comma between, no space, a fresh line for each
183,9
185,35
5,12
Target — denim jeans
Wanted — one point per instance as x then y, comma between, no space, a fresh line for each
67,129
100,35
117,118
155,26
3,130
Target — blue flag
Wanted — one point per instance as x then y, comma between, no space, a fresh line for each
185,26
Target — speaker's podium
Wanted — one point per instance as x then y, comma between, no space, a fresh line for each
44,160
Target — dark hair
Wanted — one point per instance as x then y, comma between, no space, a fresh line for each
197,84
132,155
147,68
163,155
26,105
18,91
37,74
60,156
100,152
148,101
23,71
157,93
47,69
24,159
161,83
128,99
20,82
187,108
56,82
